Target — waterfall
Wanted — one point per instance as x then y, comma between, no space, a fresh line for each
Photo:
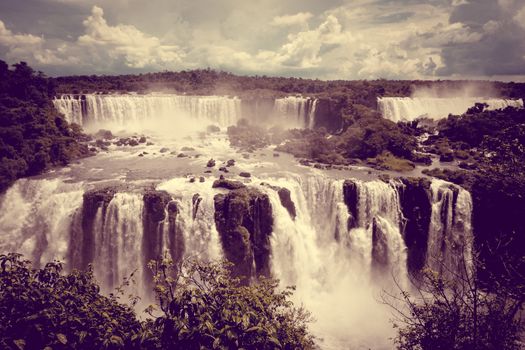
332,263
144,110
340,249
36,218
407,109
300,111
118,242
450,238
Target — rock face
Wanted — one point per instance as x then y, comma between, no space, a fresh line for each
326,116
351,198
93,201
416,206
228,184
158,205
379,247
244,220
286,201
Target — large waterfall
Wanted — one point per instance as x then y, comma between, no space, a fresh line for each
296,109
407,109
343,246
119,110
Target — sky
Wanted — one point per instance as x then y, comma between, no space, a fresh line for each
325,39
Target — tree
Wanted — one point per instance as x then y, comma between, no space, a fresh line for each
45,309
459,311
205,307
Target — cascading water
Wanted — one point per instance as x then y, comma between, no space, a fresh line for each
96,110
332,264
450,239
407,109
296,109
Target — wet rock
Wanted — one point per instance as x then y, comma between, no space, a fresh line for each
181,155
164,150
104,134
245,155
141,155
158,204
276,155
446,157
224,169
149,144
93,201
142,139
351,198
192,179
145,153
201,179
228,184
230,163
195,201
305,162
245,174
379,247
187,149
208,172
286,201
211,163
243,218
416,207
133,142
213,128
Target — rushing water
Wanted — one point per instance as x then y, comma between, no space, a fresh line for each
339,254
407,109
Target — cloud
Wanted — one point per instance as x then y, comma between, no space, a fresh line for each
299,19
332,39
125,41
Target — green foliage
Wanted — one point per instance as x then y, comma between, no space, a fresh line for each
455,313
43,308
205,307
33,135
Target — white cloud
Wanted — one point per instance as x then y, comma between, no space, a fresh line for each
520,17
299,19
126,41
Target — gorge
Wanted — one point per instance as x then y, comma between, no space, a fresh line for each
339,236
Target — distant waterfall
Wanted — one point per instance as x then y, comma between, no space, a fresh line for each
97,109
300,110
450,235
406,109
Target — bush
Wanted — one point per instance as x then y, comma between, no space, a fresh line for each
205,307
42,308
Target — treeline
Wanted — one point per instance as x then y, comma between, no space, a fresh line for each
33,135
208,81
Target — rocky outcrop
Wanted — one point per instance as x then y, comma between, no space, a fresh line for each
351,198
286,201
93,201
244,220
158,205
379,247
228,184
416,206
326,116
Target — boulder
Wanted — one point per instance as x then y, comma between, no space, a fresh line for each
228,184
245,174
211,163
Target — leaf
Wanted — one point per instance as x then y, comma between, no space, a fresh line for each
62,338
20,343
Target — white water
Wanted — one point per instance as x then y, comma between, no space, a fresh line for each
36,217
336,279
450,235
118,243
297,111
152,110
407,109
